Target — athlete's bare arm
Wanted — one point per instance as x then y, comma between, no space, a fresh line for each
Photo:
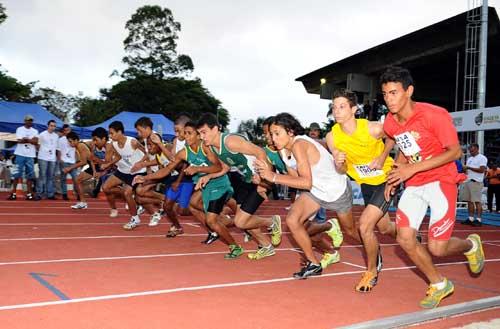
339,157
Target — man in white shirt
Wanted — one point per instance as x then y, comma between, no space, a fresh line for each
473,187
47,162
27,138
66,158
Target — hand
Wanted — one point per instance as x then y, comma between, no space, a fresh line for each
105,166
137,166
377,163
202,182
262,191
175,186
263,170
256,179
139,179
66,170
400,173
339,158
155,139
191,170
389,191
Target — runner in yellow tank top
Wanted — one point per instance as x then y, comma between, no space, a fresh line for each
359,151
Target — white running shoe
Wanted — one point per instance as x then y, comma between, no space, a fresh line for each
155,219
140,210
79,205
133,223
113,213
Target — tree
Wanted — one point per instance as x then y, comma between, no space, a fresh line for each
61,105
3,15
151,45
253,130
92,111
13,90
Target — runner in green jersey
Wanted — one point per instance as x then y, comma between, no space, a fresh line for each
238,153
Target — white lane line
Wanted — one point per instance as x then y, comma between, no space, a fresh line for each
492,244
196,288
71,224
92,259
192,224
355,265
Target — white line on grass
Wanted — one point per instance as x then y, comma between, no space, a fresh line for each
198,288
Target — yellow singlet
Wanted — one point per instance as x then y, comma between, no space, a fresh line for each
360,149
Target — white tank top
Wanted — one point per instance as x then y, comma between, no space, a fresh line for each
179,145
327,184
129,156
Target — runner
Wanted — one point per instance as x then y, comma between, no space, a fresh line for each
91,156
238,153
125,152
359,151
429,146
310,168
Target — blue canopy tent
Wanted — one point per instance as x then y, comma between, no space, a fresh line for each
12,116
161,124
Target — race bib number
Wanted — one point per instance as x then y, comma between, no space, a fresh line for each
407,144
364,171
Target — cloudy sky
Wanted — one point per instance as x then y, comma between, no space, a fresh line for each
247,53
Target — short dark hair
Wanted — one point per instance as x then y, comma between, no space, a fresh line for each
191,124
100,132
208,119
476,145
182,119
144,122
347,94
65,126
72,135
397,74
289,122
268,121
50,121
117,126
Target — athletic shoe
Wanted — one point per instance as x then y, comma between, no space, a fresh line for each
335,232
37,198
329,259
211,238
380,261
309,270
434,295
113,213
155,219
476,255
133,223
477,223
367,282
276,230
12,197
80,205
140,210
235,252
247,237
30,197
262,252
174,231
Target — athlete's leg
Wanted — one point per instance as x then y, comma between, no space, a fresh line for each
110,190
82,177
369,217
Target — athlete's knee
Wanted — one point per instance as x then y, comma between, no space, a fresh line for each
128,193
437,250
240,222
292,222
406,242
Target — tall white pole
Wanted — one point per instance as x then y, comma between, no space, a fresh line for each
483,49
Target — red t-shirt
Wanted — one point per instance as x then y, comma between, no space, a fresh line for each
426,134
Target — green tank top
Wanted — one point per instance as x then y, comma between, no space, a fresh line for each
275,159
198,158
237,161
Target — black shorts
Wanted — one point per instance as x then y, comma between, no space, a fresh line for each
374,195
245,194
126,178
216,206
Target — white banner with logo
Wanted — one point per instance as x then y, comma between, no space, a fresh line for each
474,120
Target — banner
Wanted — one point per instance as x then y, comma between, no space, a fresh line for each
474,120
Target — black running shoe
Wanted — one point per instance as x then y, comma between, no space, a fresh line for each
12,197
308,270
466,222
380,261
211,238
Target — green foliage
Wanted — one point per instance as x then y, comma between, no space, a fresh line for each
93,111
61,105
3,15
253,130
13,90
151,45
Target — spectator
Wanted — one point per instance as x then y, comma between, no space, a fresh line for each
27,138
493,178
473,188
47,162
66,158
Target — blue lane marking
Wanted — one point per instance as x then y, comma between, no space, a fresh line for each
46,284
